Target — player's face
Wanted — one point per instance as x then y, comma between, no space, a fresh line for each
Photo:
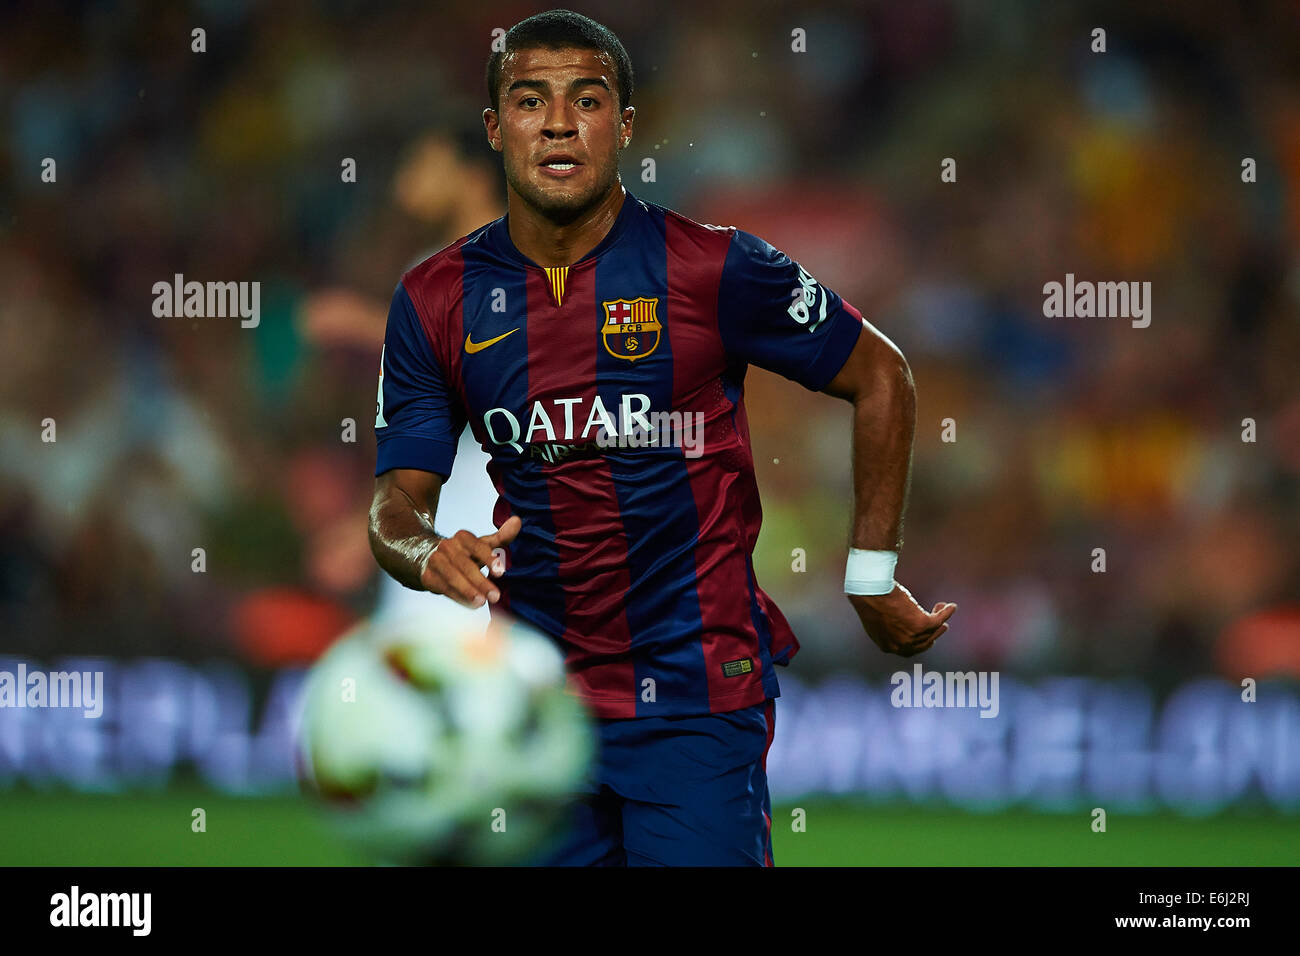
559,129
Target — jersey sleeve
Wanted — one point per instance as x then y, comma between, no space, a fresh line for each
417,420
773,314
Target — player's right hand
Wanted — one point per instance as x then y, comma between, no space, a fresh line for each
455,565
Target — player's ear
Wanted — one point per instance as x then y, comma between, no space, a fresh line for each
492,123
625,125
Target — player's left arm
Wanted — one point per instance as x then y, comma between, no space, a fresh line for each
772,313
878,381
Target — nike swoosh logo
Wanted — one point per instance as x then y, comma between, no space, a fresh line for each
472,347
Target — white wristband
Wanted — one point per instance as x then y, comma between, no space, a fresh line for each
870,572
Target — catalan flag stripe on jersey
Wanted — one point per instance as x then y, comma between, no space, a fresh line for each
585,383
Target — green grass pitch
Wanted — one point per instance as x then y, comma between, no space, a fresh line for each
67,829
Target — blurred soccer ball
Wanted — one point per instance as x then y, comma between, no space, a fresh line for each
431,745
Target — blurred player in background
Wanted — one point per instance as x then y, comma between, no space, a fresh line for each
597,346
437,186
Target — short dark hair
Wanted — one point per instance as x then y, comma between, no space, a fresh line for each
561,30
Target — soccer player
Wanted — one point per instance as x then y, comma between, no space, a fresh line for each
597,345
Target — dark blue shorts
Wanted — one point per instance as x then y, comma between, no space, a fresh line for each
675,791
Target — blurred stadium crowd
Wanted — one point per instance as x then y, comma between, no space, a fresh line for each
1071,434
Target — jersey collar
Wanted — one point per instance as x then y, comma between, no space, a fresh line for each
498,234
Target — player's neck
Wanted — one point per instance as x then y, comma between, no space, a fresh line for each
552,244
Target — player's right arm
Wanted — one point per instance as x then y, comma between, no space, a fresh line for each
417,426
405,544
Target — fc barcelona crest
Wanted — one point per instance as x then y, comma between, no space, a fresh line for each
631,329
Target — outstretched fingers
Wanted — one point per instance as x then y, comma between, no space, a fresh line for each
454,568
